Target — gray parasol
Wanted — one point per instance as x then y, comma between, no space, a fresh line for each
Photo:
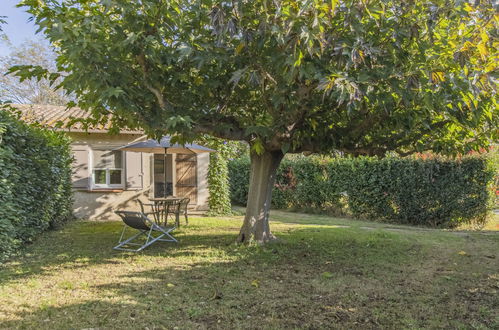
164,146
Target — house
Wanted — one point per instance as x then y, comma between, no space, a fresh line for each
106,179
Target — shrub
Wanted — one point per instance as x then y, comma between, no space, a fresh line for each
218,184
218,174
35,181
433,192
239,179
494,160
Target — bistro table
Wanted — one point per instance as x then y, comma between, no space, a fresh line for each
166,205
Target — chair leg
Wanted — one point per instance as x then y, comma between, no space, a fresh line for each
121,243
177,219
172,239
149,240
166,233
122,233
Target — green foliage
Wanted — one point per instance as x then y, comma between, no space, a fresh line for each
218,181
239,180
35,181
431,192
218,174
363,77
494,160
218,185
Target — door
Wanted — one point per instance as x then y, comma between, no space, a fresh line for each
162,171
187,177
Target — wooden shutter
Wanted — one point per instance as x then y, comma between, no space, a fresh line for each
80,168
187,177
133,170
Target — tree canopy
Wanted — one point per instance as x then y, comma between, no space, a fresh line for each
359,76
363,77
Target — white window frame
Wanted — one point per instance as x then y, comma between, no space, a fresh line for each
107,185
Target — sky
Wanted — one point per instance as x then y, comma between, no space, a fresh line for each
17,29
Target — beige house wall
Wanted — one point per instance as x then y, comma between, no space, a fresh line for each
202,169
98,204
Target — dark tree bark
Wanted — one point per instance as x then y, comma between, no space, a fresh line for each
262,178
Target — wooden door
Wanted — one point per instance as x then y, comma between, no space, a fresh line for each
187,177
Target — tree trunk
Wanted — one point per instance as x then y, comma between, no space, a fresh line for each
262,178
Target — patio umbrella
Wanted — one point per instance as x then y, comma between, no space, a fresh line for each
164,146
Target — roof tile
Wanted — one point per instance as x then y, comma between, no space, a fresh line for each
51,115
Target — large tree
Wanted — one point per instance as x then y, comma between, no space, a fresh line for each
32,90
361,76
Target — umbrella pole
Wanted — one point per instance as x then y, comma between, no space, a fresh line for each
164,167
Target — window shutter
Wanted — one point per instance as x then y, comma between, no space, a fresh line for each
80,168
133,170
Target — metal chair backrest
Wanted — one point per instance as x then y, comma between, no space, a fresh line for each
154,210
163,209
135,220
172,206
183,205
141,206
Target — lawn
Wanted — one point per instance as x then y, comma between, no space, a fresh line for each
323,273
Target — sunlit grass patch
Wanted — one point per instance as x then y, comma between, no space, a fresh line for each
323,272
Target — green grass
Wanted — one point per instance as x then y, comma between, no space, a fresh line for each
324,272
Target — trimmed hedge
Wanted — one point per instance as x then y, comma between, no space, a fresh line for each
35,181
431,192
218,183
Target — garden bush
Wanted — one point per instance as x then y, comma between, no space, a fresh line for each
433,192
35,181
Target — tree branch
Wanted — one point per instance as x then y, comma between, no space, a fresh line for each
141,59
215,128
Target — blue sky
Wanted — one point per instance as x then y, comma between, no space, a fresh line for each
17,29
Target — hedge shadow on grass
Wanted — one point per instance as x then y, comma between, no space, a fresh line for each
315,277
146,289
83,244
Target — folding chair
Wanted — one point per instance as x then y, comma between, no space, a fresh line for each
146,227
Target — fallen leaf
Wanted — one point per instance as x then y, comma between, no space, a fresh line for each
170,285
255,283
216,295
327,275
462,253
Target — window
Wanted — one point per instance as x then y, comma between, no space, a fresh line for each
107,170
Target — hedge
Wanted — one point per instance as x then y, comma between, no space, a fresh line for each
430,192
218,181
35,181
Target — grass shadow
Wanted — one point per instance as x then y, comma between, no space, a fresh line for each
313,277
81,244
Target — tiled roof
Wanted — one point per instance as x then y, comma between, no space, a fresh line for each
54,115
